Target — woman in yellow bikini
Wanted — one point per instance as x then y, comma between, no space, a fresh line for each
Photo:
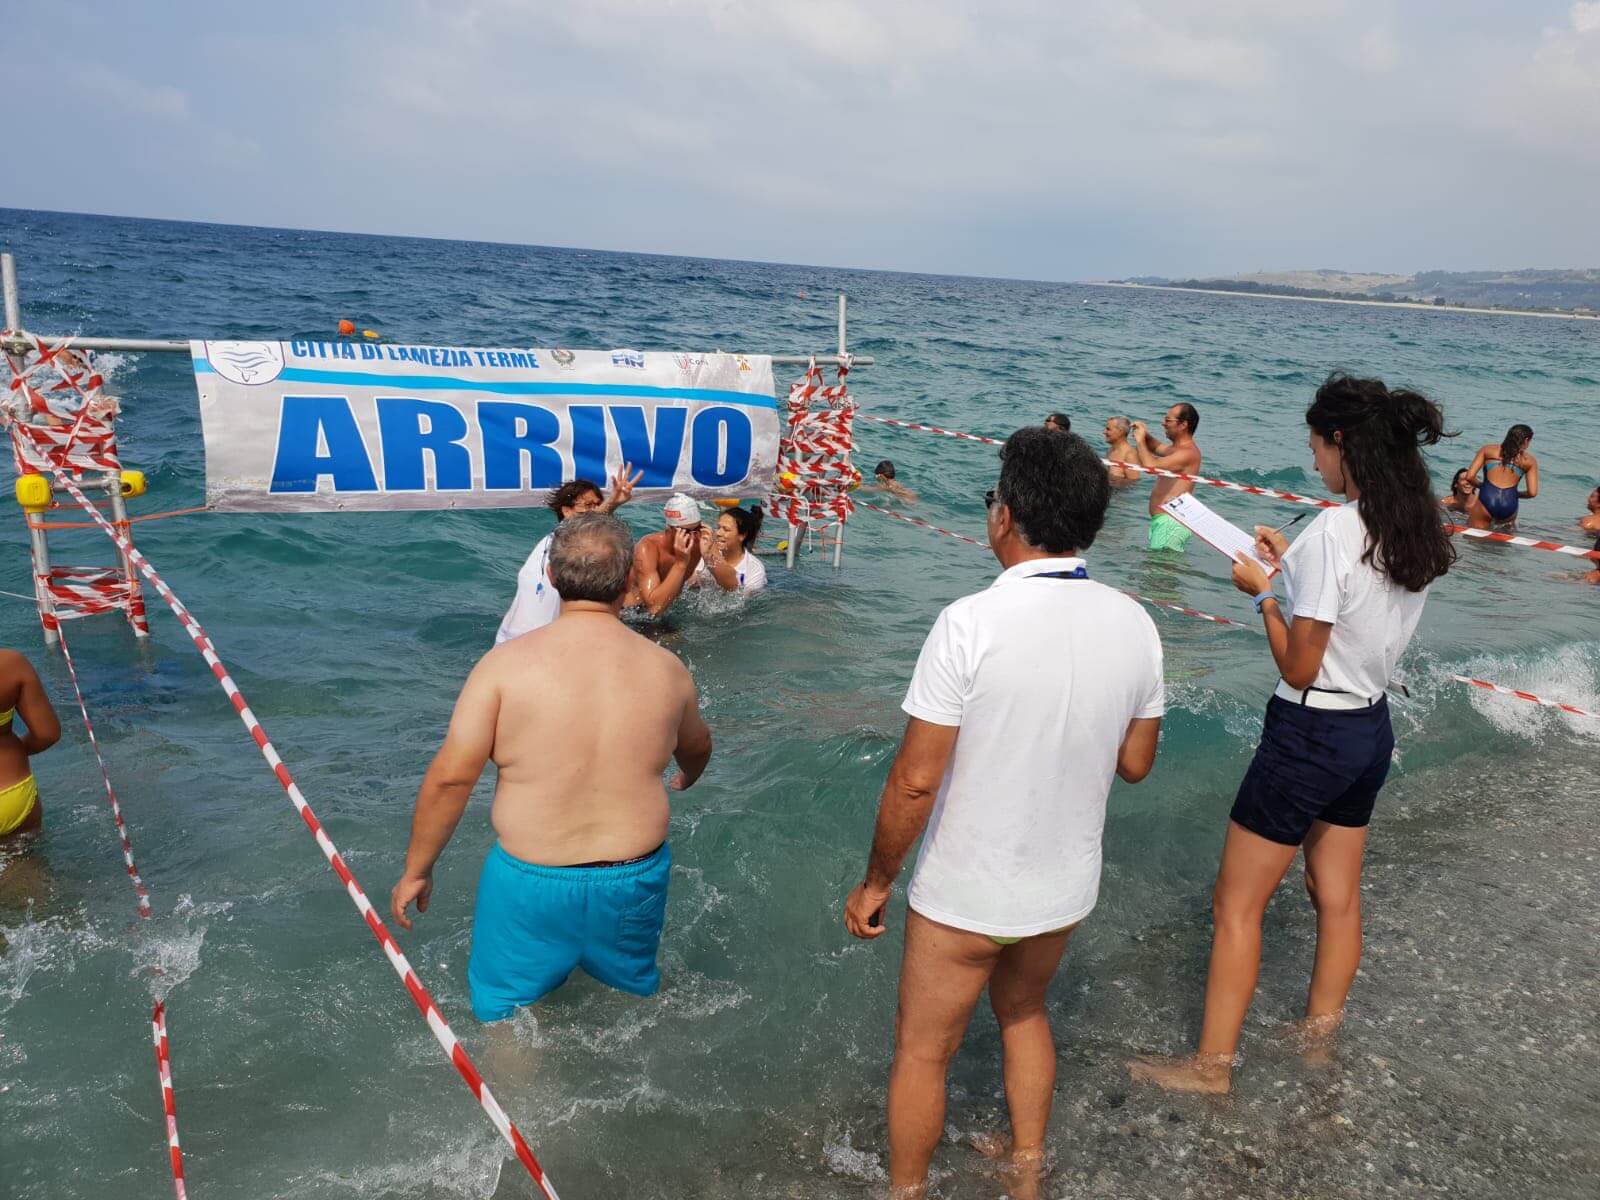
22,695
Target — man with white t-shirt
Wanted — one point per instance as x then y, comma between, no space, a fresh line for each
536,603
1026,699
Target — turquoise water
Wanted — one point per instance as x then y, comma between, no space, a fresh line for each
1473,1045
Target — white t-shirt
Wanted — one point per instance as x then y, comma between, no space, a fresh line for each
752,574
1372,618
536,603
1043,676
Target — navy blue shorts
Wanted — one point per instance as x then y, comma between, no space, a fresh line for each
1314,764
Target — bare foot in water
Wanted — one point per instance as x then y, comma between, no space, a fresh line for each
1313,1037
909,1191
1208,1073
1023,1169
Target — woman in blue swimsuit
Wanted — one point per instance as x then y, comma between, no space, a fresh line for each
1504,467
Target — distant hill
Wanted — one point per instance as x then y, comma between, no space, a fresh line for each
1548,291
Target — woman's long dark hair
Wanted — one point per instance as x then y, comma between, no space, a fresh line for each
1516,441
1382,432
748,522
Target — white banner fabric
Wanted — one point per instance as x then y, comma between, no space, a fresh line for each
322,426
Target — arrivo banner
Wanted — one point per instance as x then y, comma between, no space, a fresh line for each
321,426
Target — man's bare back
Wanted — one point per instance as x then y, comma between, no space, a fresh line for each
587,715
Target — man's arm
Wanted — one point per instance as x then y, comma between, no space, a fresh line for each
1138,751
446,787
33,706
693,750
658,591
903,810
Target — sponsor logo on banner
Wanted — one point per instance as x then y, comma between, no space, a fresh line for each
246,362
627,358
744,363
689,363
564,358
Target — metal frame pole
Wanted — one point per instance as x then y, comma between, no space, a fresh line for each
119,518
8,283
39,546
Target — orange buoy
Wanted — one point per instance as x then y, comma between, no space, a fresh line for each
346,327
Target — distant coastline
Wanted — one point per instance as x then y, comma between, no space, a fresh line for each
1436,308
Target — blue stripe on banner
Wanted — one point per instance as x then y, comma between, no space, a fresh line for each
450,383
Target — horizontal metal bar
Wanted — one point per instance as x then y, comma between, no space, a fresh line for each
153,346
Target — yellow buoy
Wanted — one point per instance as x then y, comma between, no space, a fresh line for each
33,492
725,502
133,483
371,335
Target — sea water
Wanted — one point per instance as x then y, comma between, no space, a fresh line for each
1469,1061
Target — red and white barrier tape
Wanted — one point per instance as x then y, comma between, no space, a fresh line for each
111,793
413,985
1509,539
1502,690
961,537
169,1106
1248,488
1512,539
1194,612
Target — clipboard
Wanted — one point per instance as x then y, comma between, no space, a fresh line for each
1217,532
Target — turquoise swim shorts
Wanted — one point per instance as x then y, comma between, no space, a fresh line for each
1168,534
534,924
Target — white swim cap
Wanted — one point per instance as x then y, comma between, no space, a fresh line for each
682,511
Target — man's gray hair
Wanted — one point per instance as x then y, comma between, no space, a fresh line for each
590,555
1120,424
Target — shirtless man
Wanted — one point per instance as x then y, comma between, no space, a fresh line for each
580,718
1178,454
664,561
883,480
1591,524
1118,450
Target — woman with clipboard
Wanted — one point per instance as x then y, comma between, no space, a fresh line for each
1356,581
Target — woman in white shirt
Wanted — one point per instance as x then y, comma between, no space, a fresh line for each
728,557
1356,580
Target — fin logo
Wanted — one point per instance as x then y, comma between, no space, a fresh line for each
246,362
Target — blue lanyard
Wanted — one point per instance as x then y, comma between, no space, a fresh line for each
1075,573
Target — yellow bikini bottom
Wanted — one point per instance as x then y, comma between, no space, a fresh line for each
17,803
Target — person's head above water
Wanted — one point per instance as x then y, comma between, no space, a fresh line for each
590,556
884,470
1058,423
1116,430
1594,499
682,512
1366,441
1181,418
1462,486
1051,497
737,528
1515,442
571,499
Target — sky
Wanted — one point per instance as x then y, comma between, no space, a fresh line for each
1037,139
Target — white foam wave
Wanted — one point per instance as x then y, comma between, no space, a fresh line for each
1569,674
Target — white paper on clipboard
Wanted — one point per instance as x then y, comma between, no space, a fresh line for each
1215,531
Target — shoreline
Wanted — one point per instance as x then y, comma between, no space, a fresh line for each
1416,304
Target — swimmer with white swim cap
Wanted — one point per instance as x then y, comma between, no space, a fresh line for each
664,561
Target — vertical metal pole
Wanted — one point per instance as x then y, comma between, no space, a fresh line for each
8,283
841,324
794,542
838,546
40,546
119,519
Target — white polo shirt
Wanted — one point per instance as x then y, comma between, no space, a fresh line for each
1043,676
536,603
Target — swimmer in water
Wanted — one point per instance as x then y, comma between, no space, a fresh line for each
1180,453
663,562
23,696
1058,423
1591,524
581,718
728,555
1504,467
1119,451
885,482
1463,497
